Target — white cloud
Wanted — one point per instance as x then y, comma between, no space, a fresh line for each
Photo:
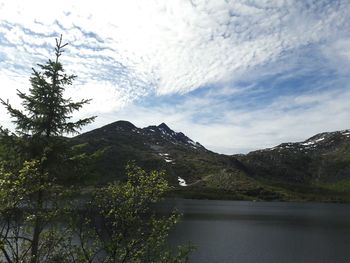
105,98
9,86
240,131
337,53
175,45
125,50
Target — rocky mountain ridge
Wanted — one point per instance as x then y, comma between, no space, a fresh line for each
153,147
319,142
321,159
318,164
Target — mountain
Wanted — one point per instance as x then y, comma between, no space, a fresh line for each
153,147
192,170
317,169
320,162
324,157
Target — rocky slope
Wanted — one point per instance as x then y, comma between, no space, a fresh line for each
323,158
153,147
315,169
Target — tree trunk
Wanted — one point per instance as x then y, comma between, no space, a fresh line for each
37,228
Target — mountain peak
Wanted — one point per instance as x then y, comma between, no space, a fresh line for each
122,125
165,127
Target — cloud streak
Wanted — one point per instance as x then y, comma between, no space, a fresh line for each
175,46
234,69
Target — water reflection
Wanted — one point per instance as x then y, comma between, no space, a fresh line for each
229,231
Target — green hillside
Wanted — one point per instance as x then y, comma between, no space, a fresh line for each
317,169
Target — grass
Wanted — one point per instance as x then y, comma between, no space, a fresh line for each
342,186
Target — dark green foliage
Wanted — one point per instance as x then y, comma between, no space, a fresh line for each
124,227
46,111
34,161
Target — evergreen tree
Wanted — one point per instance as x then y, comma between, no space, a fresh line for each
45,118
46,111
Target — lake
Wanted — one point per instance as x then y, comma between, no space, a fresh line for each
242,231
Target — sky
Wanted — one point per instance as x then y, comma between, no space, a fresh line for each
236,76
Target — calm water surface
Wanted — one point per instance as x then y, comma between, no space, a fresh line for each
240,231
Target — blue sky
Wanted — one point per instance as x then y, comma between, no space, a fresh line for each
234,75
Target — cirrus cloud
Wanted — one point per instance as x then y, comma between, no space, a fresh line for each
198,57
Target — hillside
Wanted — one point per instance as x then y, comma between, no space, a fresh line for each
153,147
324,157
320,162
317,169
192,170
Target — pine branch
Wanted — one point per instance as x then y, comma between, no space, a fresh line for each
75,127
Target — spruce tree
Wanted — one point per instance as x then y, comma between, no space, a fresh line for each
46,111
46,117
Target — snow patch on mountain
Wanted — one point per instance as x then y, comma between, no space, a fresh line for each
182,182
311,142
319,141
166,157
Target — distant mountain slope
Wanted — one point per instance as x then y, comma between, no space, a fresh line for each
321,159
317,169
153,147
